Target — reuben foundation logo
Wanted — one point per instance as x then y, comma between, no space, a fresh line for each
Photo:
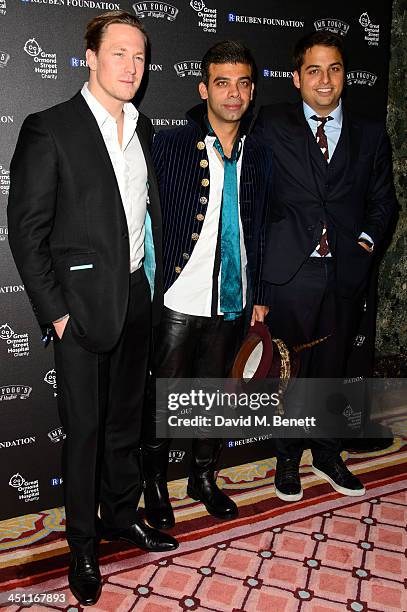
29,491
17,344
336,26
77,62
372,30
45,64
3,7
18,442
87,4
361,77
4,181
4,58
162,121
207,16
12,392
155,9
188,68
12,288
271,21
268,73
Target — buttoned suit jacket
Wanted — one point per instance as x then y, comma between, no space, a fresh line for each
67,226
184,180
354,193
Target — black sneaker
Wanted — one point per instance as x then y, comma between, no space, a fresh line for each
337,474
287,480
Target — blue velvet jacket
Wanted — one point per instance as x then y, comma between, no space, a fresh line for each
182,168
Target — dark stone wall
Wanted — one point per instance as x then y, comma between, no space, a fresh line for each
391,341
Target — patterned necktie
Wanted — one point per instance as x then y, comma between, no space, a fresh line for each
322,141
231,293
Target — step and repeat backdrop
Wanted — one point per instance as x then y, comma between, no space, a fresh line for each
42,62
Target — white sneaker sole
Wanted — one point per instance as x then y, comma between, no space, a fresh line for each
342,490
289,498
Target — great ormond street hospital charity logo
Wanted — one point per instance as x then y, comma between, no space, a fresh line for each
17,344
45,64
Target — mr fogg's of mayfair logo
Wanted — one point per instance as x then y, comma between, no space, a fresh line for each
28,490
56,435
3,7
4,58
17,344
207,17
336,26
85,4
372,30
188,68
158,10
361,77
12,392
4,181
270,21
45,63
176,456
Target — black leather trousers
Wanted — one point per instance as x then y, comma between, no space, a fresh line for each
188,346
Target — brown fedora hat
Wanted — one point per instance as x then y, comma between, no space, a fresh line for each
262,356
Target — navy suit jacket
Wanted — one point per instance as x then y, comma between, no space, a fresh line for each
184,184
354,193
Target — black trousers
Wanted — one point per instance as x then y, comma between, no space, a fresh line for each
186,346
304,309
100,401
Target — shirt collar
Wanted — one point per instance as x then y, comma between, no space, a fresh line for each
101,114
336,114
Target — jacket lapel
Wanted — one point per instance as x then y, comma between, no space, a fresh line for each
307,150
92,127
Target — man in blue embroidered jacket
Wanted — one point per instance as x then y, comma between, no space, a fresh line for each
211,175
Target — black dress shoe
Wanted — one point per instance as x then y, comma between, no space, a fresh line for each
144,537
158,509
337,474
84,579
203,487
287,481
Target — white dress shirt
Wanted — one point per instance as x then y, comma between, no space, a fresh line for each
191,293
129,167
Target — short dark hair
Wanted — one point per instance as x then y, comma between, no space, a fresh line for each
97,27
227,52
323,38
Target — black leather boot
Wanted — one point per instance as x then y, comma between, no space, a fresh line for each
158,510
202,483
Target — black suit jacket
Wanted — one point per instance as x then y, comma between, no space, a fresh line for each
354,193
64,212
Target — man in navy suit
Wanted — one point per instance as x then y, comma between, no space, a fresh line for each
212,178
332,202
83,201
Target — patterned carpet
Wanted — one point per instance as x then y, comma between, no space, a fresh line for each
323,554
